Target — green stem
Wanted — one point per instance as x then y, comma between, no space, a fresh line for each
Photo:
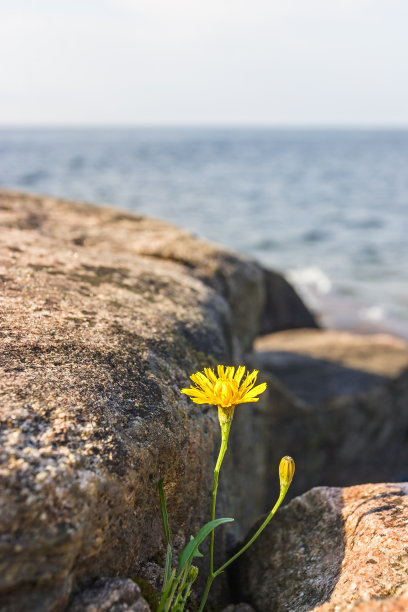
181,587
257,533
206,591
223,450
225,416
168,602
167,597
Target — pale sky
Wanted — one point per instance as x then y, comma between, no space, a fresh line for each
204,62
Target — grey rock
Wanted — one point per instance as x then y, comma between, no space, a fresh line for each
242,607
109,595
284,308
337,403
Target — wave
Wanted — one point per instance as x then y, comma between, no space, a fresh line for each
312,283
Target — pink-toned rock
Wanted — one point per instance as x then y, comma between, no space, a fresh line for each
332,550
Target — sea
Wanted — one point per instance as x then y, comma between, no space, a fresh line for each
328,208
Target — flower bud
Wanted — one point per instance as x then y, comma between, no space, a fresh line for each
192,574
286,471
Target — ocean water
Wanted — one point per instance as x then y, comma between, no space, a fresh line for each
328,208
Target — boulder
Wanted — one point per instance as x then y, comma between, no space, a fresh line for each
103,317
337,403
331,550
284,308
261,300
109,595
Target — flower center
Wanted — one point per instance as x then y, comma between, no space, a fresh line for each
226,392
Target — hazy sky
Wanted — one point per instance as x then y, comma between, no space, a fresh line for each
278,62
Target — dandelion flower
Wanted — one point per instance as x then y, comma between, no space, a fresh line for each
225,390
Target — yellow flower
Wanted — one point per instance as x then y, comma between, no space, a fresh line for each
226,389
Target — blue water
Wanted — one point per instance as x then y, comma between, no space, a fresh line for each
326,207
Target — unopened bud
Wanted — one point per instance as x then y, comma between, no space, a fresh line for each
192,574
286,471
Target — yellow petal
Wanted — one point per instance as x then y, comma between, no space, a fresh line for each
255,391
239,374
201,381
194,392
209,372
196,400
250,379
204,381
221,372
229,374
247,401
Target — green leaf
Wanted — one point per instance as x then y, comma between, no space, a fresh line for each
166,592
188,553
197,552
163,511
167,568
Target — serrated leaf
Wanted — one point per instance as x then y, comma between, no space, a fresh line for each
197,552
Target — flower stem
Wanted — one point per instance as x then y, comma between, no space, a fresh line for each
223,449
225,416
254,537
206,591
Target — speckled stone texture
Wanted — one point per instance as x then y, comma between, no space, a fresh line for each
338,403
109,595
103,316
331,550
242,607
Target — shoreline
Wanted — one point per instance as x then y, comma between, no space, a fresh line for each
338,313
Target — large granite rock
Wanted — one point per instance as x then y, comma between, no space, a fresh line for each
103,317
331,550
338,403
261,301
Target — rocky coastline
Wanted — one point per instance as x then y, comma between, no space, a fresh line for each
103,316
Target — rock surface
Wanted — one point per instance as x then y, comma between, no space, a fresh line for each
103,317
332,550
109,595
284,308
339,406
242,607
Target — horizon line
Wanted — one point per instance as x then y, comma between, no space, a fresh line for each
215,125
